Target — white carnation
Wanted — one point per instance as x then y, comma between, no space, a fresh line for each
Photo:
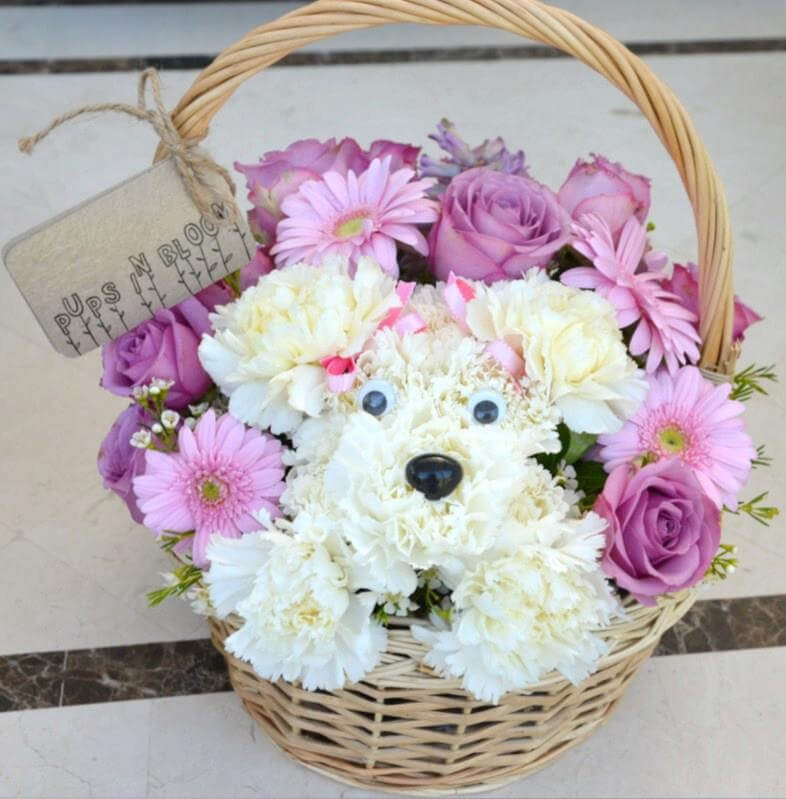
349,467
301,618
267,347
528,611
570,342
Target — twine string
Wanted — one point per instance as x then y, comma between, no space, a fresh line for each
194,165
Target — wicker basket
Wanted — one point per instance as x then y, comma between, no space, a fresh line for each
403,728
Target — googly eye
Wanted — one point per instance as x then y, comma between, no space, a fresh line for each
377,397
487,407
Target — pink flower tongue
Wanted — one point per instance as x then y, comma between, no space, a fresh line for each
341,373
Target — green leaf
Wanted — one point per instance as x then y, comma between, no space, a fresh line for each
578,444
591,478
749,381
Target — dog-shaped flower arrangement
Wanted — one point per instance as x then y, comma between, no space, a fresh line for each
415,420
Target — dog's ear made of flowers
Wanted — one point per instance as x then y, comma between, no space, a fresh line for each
280,348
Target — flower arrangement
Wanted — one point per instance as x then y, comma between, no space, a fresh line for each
440,391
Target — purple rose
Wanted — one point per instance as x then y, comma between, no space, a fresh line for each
496,226
685,284
279,173
606,190
401,155
118,462
663,531
166,347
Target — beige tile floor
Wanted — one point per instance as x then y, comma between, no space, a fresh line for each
76,569
112,30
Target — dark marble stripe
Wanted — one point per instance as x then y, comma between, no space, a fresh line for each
85,676
721,625
414,55
182,668
115,2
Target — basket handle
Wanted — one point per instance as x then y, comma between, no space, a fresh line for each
537,21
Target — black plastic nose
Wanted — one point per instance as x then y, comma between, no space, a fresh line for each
435,476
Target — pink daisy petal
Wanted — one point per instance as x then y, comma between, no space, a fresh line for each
221,475
687,417
354,216
666,330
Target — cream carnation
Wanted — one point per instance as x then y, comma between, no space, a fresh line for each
266,352
570,342
526,612
349,466
302,619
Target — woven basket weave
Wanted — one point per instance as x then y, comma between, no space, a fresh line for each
403,728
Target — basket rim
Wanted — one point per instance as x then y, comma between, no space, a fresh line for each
534,20
640,628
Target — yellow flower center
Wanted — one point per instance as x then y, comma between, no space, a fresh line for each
211,490
351,227
672,439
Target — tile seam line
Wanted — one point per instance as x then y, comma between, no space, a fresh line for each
726,622
229,689
437,55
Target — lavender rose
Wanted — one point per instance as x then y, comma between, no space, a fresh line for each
165,346
663,530
118,462
496,226
279,173
685,284
606,190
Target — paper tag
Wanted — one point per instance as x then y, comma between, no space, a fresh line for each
99,269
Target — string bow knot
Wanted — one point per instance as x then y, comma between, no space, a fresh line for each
195,166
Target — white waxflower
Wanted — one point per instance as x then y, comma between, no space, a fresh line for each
268,345
570,342
198,410
302,620
526,612
170,419
141,439
199,598
397,604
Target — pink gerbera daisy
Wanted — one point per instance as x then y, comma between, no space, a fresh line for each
687,417
353,216
222,474
666,330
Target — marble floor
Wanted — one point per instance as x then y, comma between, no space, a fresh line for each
80,713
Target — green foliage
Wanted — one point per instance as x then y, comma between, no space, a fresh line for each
183,578
578,444
380,616
724,562
591,477
169,541
233,283
430,594
762,514
573,446
749,381
761,459
564,259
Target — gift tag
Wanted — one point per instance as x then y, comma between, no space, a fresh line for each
99,269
